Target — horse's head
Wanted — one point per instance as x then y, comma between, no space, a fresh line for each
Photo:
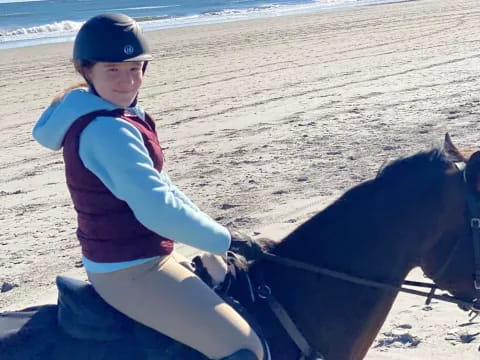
453,261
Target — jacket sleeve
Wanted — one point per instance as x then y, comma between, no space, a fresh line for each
178,193
115,152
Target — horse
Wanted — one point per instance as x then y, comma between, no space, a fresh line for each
334,278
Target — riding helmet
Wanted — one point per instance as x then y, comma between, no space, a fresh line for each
111,38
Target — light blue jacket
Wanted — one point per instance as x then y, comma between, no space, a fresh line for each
114,151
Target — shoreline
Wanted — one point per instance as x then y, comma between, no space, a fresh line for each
263,122
151,26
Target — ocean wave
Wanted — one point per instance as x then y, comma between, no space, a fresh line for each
152,18
56,27
226,12
145,7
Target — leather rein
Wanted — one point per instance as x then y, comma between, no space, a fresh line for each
264,292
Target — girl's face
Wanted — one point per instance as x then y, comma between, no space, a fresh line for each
117,83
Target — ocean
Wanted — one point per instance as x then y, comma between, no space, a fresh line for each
33,22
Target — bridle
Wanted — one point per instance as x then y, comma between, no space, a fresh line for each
474,214
264,291
473,208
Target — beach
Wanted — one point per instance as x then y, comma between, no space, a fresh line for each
263,123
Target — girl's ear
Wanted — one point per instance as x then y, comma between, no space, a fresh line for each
452,151
472,172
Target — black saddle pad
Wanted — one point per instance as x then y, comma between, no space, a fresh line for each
83,314
33,334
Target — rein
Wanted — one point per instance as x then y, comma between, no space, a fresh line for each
365,282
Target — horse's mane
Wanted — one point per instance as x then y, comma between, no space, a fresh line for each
426,162
403,180
366,213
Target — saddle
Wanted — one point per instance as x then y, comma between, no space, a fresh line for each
83,314
82,325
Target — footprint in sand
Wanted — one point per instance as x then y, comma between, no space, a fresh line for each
463,335
6,286
399,337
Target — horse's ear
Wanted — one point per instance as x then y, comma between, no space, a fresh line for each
472,172
452,151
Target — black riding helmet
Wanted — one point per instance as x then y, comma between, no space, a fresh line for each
111,38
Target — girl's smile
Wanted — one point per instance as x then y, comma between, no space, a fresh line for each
117,83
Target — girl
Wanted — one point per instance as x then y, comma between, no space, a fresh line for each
129,212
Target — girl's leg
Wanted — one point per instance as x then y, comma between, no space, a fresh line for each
166,296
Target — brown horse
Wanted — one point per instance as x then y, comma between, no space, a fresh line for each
414,213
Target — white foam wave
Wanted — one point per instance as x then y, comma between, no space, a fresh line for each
228,12
56,27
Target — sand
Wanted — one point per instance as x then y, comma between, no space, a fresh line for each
263,122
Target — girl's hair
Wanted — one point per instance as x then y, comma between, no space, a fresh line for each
80,66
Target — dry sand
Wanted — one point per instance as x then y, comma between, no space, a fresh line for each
263,123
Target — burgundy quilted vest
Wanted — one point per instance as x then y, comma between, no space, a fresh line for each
107,228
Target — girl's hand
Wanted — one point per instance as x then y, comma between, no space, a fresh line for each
215,266
243,244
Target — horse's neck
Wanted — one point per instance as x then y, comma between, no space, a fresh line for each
339,318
